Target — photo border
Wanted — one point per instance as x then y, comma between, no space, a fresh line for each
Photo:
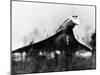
44,2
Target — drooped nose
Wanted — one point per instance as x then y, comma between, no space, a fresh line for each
75,19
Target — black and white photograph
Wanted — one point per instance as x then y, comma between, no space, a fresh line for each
52,37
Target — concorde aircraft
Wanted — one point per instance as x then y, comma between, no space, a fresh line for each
63,40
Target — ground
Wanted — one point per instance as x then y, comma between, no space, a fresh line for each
40,64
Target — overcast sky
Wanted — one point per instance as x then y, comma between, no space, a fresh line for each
31,20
